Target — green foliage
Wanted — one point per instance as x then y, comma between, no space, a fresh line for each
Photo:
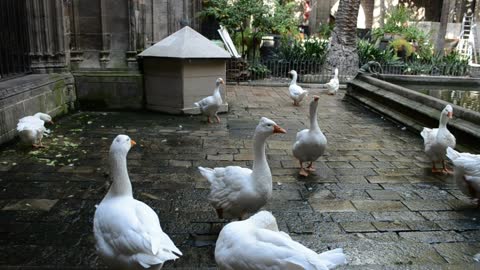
397,17
313,49
396,22
234,16
280,20
252,19
258,70
401,44
414,34
369,52
325,31
452,64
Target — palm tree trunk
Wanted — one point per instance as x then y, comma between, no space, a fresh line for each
440,43
342,53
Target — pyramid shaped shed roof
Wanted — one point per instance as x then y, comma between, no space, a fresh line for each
185,43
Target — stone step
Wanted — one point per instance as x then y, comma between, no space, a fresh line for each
409,110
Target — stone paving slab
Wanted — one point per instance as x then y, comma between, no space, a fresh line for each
372,194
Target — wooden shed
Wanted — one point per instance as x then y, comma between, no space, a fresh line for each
180,70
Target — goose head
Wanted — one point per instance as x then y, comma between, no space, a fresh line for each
292,72
219,81
264,219
121,145
45,117
267,127
448,111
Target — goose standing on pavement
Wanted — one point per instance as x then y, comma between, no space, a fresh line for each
466,172
310,143
31,129
333,84
236,191
127,231
209,106
296,92
438,139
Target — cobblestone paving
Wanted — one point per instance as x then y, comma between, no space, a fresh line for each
372,194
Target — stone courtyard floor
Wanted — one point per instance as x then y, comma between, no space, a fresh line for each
373,193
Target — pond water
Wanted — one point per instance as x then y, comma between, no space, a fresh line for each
468,98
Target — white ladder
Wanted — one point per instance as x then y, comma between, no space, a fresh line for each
466,44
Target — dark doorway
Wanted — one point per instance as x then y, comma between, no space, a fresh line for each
14,48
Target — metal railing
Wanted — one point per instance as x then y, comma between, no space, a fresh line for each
277,70
14,47
427,69
309,71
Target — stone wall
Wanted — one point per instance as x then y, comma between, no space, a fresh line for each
107,90
105,38
50,93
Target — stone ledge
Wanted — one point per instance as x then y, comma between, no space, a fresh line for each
410,108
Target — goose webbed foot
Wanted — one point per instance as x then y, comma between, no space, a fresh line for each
310,167
435,170
218,118
303,172
445,169
40,145
209,120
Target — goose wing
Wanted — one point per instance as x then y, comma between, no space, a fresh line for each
266,249
226,184
131,229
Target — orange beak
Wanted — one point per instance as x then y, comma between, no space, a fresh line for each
222,82
316,98
51,122
132,142
450,115
278,129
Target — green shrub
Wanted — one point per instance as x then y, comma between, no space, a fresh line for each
313,49
258,70
401,44
369,52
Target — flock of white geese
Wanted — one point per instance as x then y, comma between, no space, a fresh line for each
128,233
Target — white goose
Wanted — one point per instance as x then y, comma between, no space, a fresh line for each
210,105
127,231
310,143
438,139
333,84
256,243
31,129
466,172
236,191
296,92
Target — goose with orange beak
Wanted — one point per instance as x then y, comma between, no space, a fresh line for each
437,140
209,106
127,232
236,191
310,144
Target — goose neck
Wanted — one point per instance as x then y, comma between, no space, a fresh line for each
313,117
443,121
121,185
294,79
260,169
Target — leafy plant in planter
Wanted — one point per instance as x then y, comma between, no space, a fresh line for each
258,71
369,52
312,49
325,30
402,47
